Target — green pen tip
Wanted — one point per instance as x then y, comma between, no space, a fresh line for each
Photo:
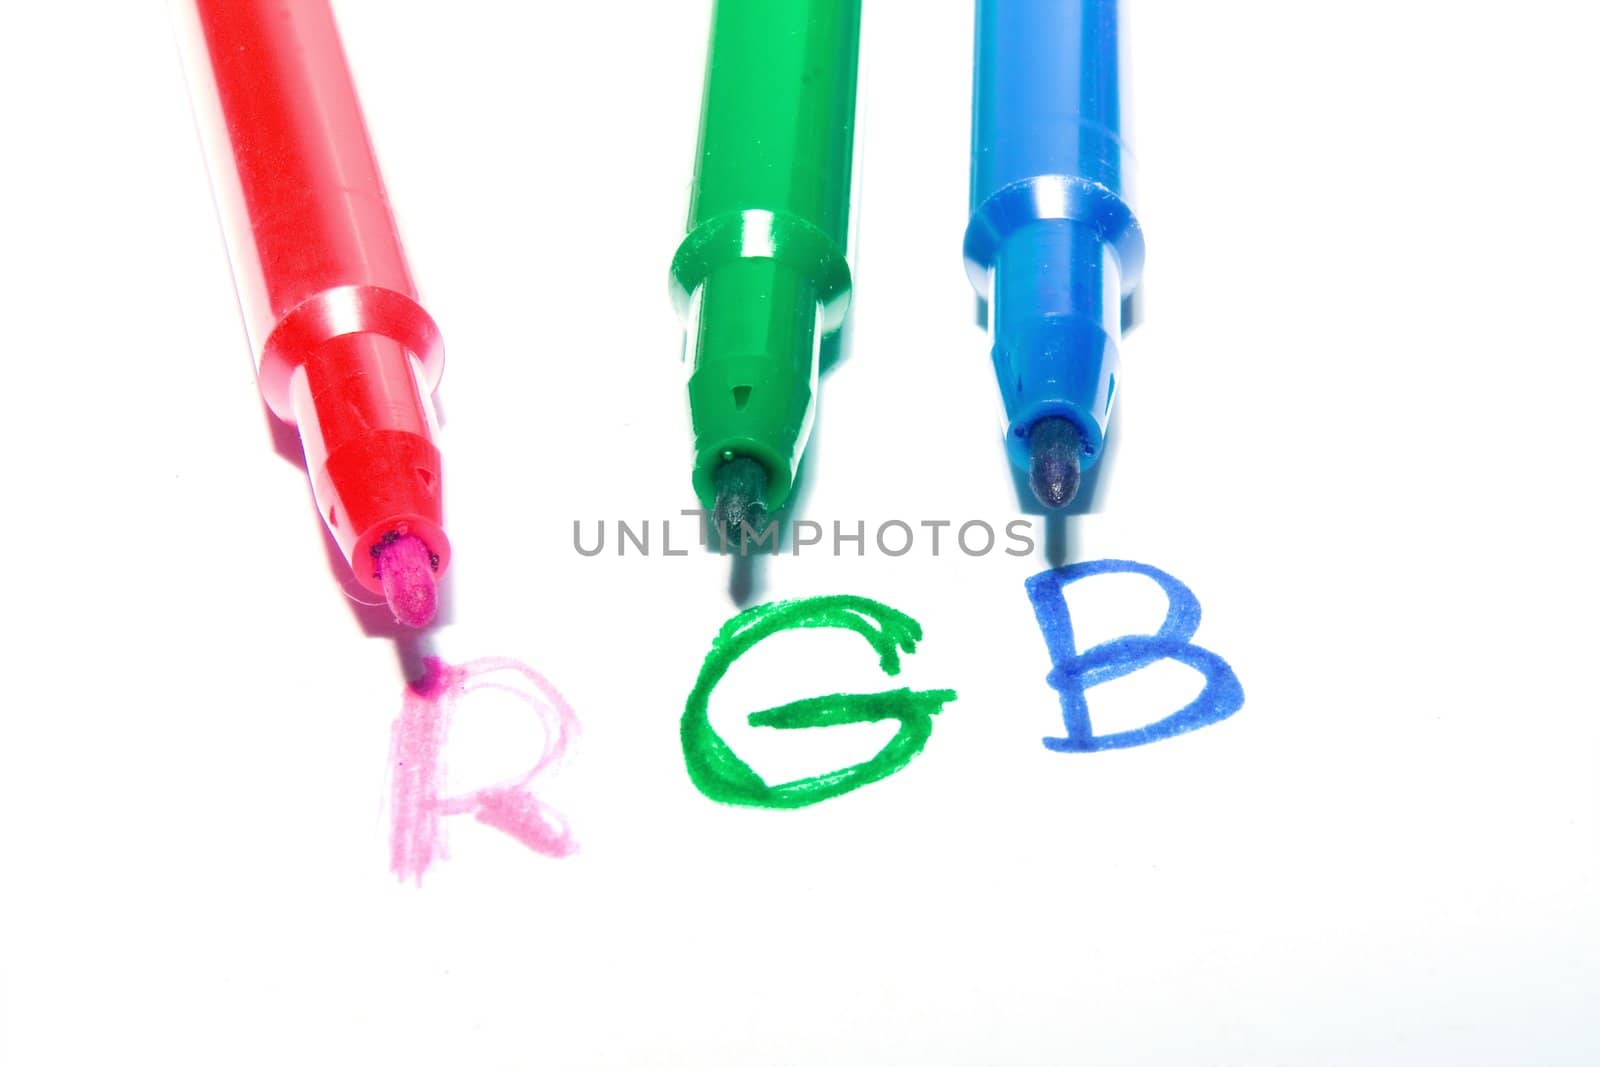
741,498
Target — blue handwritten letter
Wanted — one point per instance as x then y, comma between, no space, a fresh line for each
1074,673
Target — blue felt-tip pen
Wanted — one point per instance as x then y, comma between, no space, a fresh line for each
1052,245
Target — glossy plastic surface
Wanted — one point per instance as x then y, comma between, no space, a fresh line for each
761,277
344,351
1053,244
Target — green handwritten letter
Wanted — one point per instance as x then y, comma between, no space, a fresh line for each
721,775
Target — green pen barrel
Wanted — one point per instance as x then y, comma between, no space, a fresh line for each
761,277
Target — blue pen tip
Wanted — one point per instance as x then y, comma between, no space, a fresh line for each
1053,470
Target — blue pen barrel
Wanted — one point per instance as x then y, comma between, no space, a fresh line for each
1052,245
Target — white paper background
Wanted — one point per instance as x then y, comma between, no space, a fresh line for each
1356,421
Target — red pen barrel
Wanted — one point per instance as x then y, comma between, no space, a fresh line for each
343,349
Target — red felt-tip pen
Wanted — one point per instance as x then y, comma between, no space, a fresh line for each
344,352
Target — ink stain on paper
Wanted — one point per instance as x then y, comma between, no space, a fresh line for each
418,741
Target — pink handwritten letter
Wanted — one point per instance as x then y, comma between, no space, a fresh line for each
419,736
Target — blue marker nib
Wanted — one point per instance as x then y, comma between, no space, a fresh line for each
1053,471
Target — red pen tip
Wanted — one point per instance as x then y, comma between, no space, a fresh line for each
405,567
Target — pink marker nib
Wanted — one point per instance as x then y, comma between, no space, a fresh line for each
405,567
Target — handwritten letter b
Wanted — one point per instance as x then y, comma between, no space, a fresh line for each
1074,673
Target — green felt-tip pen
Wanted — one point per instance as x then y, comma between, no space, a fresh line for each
761,277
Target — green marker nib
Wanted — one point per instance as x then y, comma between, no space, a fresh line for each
741,496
